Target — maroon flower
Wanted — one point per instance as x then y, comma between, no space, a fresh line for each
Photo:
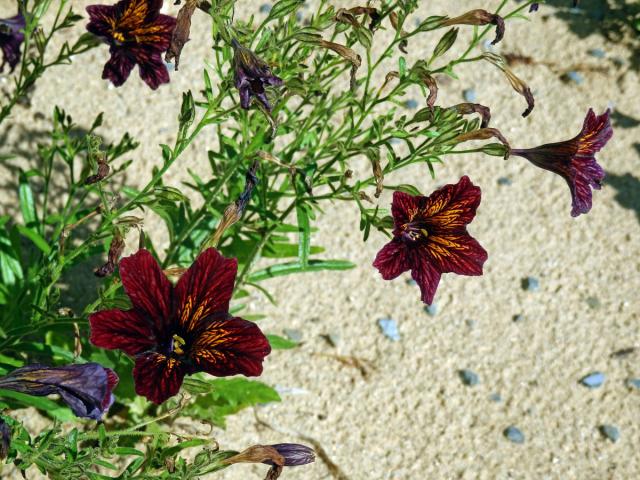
136,32
181,330
87,388
11,37
251,75
430,237
574,160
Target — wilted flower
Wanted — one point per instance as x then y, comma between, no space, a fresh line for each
430,237
294,454
87,388
251,76
177,331
11,37
137,33
479,17
516,82
574,160
5,439
278,456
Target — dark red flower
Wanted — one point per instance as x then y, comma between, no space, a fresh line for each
87,388
137,33
574,160
177,331
11,37
430,237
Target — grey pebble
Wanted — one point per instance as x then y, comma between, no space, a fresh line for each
504,181
469,378
574,77
611,432
389,328
431,310
530,284
495,397
265,8
593,380
518,318
411,104
514,434
411,281
593,302
469,95
293,334
597,52
634,383
332,339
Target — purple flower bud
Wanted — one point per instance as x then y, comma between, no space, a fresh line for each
251,76
11,37
294,454
533,7
86,388
5,439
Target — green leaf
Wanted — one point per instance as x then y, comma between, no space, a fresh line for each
27,203
284,8
295,267
445,43
41,403
280,343
171,451
304,234
35,237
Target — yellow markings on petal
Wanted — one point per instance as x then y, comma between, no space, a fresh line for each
134,15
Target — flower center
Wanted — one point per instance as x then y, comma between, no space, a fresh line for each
414,231
118,37
177,344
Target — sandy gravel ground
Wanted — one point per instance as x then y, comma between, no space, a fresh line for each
410,416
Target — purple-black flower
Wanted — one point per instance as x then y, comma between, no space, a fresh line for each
574,160
294,454
5,439
11,37
251,76
87,388
137,33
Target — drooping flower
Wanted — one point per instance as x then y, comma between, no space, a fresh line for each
430,237
87,388
5,439
251,76
574,160
11,38
278,456
294,454
137,33
177,331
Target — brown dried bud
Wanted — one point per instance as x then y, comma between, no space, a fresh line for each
479,17
469,108
181,32
517,84
347,54
257,454
115,251
103,171
483,134
344,15
393,17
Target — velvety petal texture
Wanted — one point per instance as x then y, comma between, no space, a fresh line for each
251,76
11,38
137,33
574,160
87,388
177,331
430,237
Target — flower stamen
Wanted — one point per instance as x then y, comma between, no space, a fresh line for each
178,343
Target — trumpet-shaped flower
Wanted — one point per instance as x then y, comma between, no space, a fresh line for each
11,38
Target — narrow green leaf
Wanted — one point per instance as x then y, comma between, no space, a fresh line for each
280,343
41,403
295,267
27,203
35,237
304,234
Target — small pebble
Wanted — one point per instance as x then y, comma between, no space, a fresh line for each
412,282
332,339
574,77
611,432
495,397
593,302
469,378
293,334
504,181
597,52
470,323
593,380
389,328
432,309
530,284
514,434
411,104
469,95
265,8
518,318
634,383
487,46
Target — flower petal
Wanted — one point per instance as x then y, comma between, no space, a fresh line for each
155,36
133,13
596,132
586,174
452,207
425,274
148,288
118,67
158,377
128,331
153,71
459,253
205,288
231,346
392,259
405,207
101,18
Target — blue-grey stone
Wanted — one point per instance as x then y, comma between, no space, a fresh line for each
593,302
265,8
575,77
634,383
469,378
530,284
495,397
597,52
411,104
469,95
504,181
593,380
518,317
432,309
293,334
611,432
514,434
389,328
412,282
